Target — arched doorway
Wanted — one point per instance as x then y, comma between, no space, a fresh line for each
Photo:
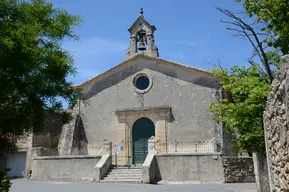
142,130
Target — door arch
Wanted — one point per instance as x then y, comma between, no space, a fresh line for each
142,130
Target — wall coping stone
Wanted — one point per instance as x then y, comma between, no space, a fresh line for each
148,160
148,168
236,157
67,157
188,154
102,167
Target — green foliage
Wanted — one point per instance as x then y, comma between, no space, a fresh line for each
246,89
273,15
4,181
241,111
34,66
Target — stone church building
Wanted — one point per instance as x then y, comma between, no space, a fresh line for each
148,96
121,112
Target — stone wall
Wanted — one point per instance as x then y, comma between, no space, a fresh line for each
49,137
228,144
73,140
203,168
276,119
23,143
238,170
64,168
261,172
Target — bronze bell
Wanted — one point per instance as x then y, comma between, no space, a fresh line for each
142,46
142,37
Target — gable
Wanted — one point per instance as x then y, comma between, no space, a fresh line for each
139,24
140,62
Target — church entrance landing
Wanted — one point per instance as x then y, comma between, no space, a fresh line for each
142,130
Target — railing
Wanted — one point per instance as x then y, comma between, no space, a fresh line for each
122,157
95,149
119,158
185,147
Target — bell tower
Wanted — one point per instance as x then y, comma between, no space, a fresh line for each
142,38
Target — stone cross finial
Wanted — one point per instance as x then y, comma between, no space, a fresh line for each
141,12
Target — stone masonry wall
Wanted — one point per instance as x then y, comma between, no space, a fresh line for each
261,172
276,119
49,137
238,170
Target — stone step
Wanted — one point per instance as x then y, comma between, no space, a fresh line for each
139,173
123,174
130,168
122,181
126,170
113,171
121,178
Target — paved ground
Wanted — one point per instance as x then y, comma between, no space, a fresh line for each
23,185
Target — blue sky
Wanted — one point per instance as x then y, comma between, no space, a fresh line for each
188,32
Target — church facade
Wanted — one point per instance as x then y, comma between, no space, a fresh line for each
147,96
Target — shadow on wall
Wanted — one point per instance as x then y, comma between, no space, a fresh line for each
158,176
80,142
122,74
49,137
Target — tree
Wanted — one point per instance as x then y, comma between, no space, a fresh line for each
33,65
241,108
265,56
273,15
246,88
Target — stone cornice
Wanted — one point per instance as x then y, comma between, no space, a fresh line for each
162,113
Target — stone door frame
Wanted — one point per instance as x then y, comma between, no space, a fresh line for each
127,117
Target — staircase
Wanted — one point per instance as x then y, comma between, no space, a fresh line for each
122,175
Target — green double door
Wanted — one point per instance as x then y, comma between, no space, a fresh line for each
142,131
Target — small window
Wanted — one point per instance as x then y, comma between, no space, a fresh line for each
142,82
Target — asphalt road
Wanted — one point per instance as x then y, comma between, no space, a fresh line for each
24,185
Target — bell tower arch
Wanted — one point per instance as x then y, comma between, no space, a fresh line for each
142,38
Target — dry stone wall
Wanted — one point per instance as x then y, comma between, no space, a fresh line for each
276,119
238,170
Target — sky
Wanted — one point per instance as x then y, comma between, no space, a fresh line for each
188,32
